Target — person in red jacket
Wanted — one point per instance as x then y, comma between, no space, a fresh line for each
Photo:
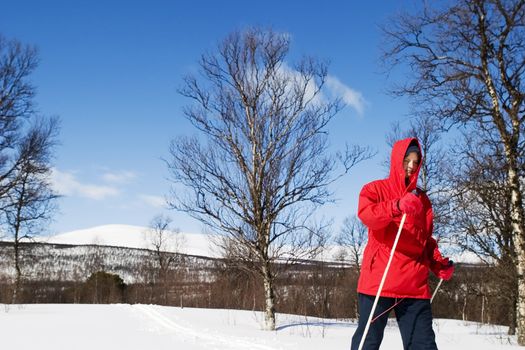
382,204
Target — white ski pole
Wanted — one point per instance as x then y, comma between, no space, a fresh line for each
382,282
436,290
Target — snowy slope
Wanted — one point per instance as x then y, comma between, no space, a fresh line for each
134,327
194,243
131,237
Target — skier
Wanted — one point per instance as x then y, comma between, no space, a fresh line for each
382,204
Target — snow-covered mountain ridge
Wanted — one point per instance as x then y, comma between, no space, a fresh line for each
192,243
130,236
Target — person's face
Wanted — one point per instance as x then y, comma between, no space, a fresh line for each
410,163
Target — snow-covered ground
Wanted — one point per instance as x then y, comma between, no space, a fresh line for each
130,327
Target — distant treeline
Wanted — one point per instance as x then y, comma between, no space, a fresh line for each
56,273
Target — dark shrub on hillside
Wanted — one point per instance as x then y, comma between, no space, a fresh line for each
103,288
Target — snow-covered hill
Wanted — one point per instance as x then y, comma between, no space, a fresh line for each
65,262
134,327
131,237
193,243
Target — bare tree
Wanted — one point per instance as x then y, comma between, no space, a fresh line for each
26,144
17,62
483,221
352,239
265,168
165,242
468,59
29,203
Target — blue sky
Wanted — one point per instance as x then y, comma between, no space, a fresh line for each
110,71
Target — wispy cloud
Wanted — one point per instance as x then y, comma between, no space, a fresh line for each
119,177
65,183
154,201
350,96
296,77
333,87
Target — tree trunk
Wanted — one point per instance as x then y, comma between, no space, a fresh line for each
269,299
18,277
512,326
17,250
518,236
517,217
482,308
463,312
520,304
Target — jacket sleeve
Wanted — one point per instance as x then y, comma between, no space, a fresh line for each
437,261
374,213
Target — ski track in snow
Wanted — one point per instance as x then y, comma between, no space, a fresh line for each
193,335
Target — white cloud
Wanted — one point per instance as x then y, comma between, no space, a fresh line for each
350,96
333,86
119,177
67,185
154,201
311,86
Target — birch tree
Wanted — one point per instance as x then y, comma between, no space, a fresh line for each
17,63
29,202
352,239
483,220
260,166
467,61
26,144
164,242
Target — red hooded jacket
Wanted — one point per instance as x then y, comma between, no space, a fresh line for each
416,252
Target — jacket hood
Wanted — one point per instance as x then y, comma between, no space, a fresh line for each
397,173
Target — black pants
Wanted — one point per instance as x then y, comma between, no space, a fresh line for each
414,318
